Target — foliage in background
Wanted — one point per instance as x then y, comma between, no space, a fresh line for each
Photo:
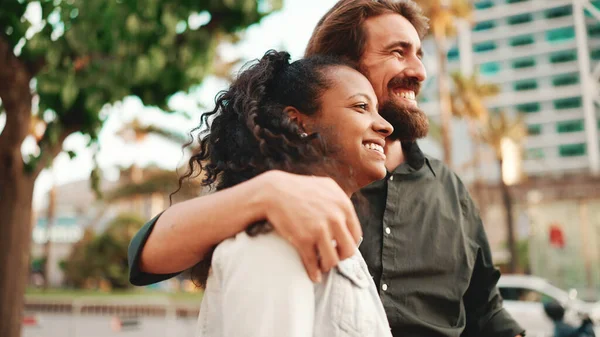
443,16
65,63
103,257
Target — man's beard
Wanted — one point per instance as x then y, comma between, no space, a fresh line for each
410,123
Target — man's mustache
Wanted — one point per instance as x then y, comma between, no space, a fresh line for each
407,83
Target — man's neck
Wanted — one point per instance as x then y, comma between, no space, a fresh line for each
394,154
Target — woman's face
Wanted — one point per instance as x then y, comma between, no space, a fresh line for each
350,124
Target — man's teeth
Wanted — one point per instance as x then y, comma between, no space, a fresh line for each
406,94
373,146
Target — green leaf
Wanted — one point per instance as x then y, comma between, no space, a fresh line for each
69,91
71,154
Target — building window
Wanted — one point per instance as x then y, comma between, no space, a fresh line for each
534,129
489,68
525,85
563,56
485,25
594,30
558,12
560,34
570,126
484,4
594,3
453,54
523,63
571,150
529,107
534,154
595,54
567,103
570,79
519,19
484,47
522,40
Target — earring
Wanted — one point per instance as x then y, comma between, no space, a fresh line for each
303,135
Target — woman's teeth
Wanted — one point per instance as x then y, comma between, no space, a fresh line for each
406,94
373,146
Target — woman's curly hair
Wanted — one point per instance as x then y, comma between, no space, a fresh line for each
248,132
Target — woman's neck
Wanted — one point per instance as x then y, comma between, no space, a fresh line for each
394,154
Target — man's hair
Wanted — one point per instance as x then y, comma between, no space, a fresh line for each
341,31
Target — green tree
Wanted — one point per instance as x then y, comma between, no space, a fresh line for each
443,15
87,54
103,257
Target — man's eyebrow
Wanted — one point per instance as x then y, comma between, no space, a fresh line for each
404,45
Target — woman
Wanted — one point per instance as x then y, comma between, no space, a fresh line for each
315,116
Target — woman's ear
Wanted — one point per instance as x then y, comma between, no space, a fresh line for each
296,116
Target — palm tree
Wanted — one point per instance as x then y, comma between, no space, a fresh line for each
468,102
499,131
442,15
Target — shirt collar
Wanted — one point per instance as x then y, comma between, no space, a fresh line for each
415,158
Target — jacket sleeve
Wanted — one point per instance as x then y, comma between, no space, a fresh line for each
483,303
136,276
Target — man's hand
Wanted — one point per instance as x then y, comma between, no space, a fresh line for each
315,215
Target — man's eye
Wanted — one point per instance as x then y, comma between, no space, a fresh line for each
398,52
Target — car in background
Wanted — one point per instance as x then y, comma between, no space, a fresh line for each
524,297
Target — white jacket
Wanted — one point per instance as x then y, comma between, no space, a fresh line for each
258,287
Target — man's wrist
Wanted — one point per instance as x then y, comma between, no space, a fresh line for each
262,191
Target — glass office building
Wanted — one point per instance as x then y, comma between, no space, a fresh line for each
543,54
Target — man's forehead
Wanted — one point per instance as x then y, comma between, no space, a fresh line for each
385,30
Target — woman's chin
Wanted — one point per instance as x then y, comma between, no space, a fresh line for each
374,174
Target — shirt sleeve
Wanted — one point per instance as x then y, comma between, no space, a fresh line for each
265,288
483,303
136,276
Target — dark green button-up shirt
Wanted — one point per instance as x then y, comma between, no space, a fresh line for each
428,253
426,248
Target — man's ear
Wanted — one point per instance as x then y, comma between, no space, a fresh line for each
298,117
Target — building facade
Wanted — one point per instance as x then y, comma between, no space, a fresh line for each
544,55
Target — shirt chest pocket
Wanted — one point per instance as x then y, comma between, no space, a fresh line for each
354,307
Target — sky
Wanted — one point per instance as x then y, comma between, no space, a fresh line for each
288,29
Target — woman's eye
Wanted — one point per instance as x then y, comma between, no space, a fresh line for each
362,106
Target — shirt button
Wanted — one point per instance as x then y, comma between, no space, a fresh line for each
391,177
387,230
384,287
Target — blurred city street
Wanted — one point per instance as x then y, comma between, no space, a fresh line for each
55,325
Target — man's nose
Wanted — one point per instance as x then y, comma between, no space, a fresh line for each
416,70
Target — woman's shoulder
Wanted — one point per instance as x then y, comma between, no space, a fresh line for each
263,250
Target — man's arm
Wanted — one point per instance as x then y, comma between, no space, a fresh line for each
310,212
483,303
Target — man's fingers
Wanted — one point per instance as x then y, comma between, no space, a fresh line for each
327,252
346,246
310,260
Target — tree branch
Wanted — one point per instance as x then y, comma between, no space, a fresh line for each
48,152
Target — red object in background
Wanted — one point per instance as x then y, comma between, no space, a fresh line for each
557,236
30,320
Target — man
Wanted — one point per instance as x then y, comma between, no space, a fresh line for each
423,239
